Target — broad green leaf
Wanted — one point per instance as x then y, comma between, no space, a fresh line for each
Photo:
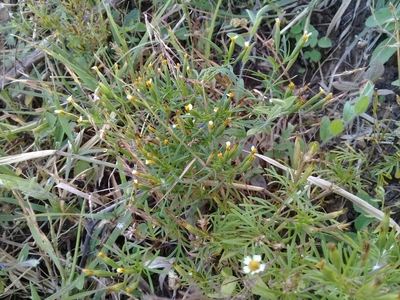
312,42
385,50
336,127
367,198
228,286
324,131
261,289
315,55
81,167
297,29
24,253
368,89
362,222
375,71
239,40
325,42
361,105
383,18
348,112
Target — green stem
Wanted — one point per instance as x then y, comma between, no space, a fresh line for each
211,31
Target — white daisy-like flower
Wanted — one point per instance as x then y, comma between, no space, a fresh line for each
253,265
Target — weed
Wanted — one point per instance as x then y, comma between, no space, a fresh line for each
143,175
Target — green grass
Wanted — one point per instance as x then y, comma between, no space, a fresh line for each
171,175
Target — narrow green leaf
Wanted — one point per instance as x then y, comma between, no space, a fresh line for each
34,293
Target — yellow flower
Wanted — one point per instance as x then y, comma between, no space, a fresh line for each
130,98
61,112
253,264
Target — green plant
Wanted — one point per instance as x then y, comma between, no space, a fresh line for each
313,45
165,143
384,20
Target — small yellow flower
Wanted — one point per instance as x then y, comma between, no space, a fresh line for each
101,255
148,161
189,107
228,146
87,272
80,120
70,99
61,112
120,270
211,124
233,39
96,68
253,264
253,149
135,183
130,98
220,155
306,36
246,45
215,109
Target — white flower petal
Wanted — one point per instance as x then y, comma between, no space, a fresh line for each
246,269
247,260
257,258
262,268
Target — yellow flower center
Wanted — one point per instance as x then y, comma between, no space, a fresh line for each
254,265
